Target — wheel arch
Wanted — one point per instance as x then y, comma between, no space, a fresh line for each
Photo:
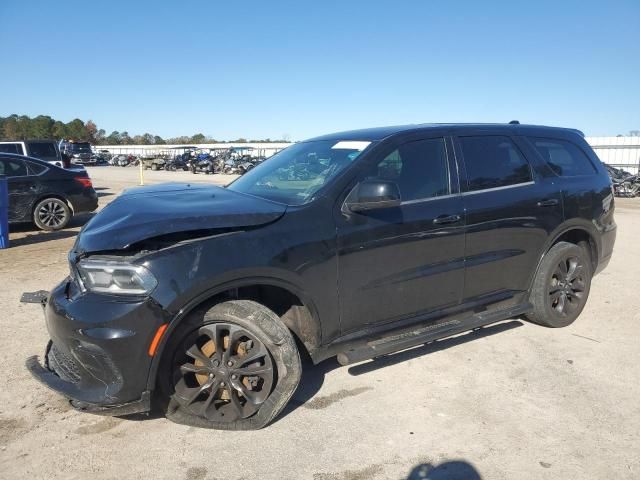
300,314
572,233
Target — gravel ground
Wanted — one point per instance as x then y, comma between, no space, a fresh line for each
519,401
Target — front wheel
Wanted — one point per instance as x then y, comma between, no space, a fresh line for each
51,214
561,286
231,367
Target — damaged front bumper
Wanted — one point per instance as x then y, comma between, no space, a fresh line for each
49,378
97,356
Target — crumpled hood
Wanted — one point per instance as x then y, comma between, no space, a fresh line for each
144,212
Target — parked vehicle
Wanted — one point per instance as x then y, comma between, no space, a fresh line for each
177,163
80,152
46,150
124,160
624,183
394,237
202,161
45,194
153,163
104,157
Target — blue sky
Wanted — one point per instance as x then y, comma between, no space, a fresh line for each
261,69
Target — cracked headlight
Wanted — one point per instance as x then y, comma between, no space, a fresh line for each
115,277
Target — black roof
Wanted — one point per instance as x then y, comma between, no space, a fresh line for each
379,133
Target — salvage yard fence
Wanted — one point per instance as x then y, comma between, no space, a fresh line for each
256,149
619,152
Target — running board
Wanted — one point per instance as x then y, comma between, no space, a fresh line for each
402,341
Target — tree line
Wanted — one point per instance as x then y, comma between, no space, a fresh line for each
23,127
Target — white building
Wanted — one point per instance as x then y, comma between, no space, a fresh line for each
619,152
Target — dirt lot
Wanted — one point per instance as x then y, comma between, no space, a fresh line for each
519,401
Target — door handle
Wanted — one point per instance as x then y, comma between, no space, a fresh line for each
444,219
552,202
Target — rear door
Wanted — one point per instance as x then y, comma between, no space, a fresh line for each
510,211
22,188
397,264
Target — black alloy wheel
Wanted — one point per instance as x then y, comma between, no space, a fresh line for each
226,373
232,365
567,286
561,286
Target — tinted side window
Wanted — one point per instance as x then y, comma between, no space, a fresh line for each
564,158
42,150
419,168
35,168
493,161
11,148
12,168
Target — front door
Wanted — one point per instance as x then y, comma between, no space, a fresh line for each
402,262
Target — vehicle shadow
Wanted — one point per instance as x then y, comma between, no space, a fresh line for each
38,237
449,470
313,375
34,236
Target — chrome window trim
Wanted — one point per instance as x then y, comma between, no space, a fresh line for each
495,189
428,199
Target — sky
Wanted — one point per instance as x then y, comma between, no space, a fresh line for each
266,69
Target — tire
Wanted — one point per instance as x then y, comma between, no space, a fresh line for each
561,287
51,214
154,167
199,382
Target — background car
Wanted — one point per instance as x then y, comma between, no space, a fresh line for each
80,152
46,150
45,194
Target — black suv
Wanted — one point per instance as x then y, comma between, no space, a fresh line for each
80,152
353,245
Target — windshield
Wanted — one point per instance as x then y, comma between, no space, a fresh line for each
81,147
295,174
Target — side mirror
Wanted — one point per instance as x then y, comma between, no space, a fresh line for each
373,194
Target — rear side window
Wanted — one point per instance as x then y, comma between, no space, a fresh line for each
35,168
419,168
564,158
42,150
12,167
493,161
11,148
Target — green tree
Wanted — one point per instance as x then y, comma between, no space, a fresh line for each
41,127
58,130
113,138
198,138
10,129
76,130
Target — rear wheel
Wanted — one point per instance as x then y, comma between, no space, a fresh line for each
231,367
51,214
561,287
